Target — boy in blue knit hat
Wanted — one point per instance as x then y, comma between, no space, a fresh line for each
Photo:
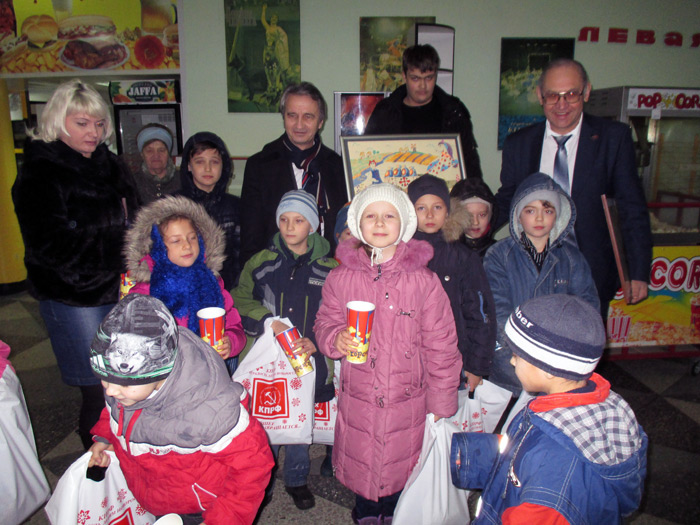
285,280
575,454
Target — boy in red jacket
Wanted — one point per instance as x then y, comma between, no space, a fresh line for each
175,420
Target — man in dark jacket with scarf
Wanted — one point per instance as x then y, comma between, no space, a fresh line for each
420,107
296,160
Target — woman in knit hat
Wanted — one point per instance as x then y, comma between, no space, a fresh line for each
156,177
413,363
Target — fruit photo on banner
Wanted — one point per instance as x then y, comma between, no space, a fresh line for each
47,36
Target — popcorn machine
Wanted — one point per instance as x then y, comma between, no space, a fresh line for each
665,126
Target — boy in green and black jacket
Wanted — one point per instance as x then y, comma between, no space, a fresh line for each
285,280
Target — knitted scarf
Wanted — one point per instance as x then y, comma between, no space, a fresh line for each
311,181
184,291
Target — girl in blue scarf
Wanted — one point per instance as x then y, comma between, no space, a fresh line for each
174,252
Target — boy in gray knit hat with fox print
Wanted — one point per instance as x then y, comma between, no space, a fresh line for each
175,420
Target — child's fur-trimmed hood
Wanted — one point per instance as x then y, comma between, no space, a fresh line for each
138,238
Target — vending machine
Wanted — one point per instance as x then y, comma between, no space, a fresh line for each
141,102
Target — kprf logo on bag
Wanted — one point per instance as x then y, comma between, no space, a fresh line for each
270,398
322,411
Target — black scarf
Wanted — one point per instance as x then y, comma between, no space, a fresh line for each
537,258
311,181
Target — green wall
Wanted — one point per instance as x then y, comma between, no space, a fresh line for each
330,48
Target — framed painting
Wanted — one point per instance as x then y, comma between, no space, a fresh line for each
400,159
352,112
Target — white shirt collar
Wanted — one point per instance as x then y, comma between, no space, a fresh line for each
575,133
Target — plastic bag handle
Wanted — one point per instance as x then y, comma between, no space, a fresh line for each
96,473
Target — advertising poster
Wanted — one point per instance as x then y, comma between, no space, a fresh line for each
382,41
262,53
522,60
58,36
352,112
671,313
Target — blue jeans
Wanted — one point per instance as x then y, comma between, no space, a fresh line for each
71,331
503,373
365,508
296,464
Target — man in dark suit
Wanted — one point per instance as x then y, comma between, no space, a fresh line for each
599,157
296,160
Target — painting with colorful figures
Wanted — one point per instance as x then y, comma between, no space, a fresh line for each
400,159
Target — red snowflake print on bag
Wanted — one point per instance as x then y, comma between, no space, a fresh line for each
302,418
83,516
484,411
140,510
121,495
296,402
103,504
281,365
465,426
476,415
295,384
246,384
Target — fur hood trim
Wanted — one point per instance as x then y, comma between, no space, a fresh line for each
457,221
409,256
138,238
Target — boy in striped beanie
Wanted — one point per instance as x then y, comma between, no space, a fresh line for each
575,453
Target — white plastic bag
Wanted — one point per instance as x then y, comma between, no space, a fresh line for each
482,413
325,414
282,402
22,482
78,500
429,497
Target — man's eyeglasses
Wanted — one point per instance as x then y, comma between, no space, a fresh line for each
571,97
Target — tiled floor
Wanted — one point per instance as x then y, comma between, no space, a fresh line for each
663,394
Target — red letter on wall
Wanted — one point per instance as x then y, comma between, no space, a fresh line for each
645,36
673,39
695,42
593,32
617,35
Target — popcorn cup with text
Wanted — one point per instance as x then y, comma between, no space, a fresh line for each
125,284
360,319
300,362
211,325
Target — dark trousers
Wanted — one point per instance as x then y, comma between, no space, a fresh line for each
365,508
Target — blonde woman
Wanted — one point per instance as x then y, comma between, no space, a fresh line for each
74,200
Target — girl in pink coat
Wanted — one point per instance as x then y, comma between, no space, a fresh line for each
413,364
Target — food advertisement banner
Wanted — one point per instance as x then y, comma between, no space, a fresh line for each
84,36
671,313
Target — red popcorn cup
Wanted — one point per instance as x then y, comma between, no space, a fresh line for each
126,284
300,362
360,319
211,325
619,328
695,312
